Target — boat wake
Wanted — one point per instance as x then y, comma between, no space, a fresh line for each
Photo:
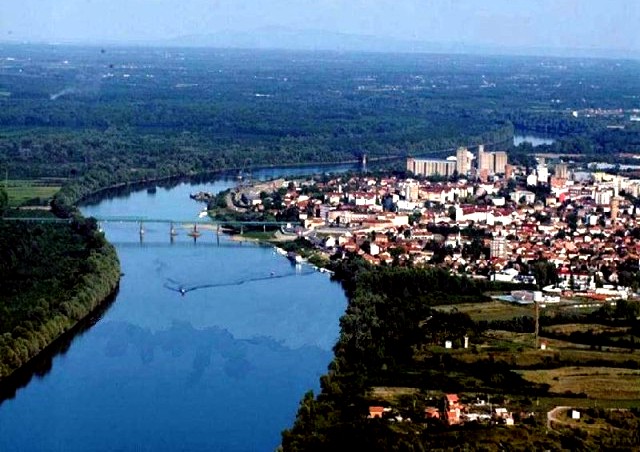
183,289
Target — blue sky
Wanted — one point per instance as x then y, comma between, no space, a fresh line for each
518,23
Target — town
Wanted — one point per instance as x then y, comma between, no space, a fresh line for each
569,231
561,237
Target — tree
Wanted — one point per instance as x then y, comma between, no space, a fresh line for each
545,273
4,201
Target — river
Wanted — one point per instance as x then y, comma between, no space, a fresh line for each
535,139
220,368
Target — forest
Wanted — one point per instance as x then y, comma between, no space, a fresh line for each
53,275
102,117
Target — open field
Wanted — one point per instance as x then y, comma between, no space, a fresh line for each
21,191
491,310
391,394
585,328
595,382
517,350
504,310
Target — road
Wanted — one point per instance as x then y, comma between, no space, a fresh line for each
552,416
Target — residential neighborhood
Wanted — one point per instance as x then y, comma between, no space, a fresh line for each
572,232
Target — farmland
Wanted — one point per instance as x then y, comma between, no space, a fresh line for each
595,382
31,191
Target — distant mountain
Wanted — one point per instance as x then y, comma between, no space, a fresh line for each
291,39
285,38
312,40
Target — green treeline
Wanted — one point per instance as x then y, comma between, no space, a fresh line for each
95,159
52,276
391,335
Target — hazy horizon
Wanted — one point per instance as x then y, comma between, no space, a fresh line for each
587,26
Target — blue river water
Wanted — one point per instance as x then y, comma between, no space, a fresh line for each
533,138
221,368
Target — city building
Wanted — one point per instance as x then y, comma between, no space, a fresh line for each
492,162
508,171
485,160
499,162
431,167
498,248
543,174
463,162
562,171
615,208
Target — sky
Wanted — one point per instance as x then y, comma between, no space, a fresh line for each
597,24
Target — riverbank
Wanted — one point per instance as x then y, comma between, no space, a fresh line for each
43,361
66,273
264,237
87,188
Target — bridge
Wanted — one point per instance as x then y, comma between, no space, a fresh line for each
206,220
141,221
192,222
124,219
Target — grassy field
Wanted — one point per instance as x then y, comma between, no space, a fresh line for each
585,328
391,394
21,191
503,310
491,310
517,349
595,382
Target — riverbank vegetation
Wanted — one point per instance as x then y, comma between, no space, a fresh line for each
53,275
393,336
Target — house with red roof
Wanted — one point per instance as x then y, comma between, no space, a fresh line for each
452,409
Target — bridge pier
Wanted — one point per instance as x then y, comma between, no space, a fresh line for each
141,230
172,232
195,233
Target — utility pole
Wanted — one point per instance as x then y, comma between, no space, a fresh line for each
537,322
